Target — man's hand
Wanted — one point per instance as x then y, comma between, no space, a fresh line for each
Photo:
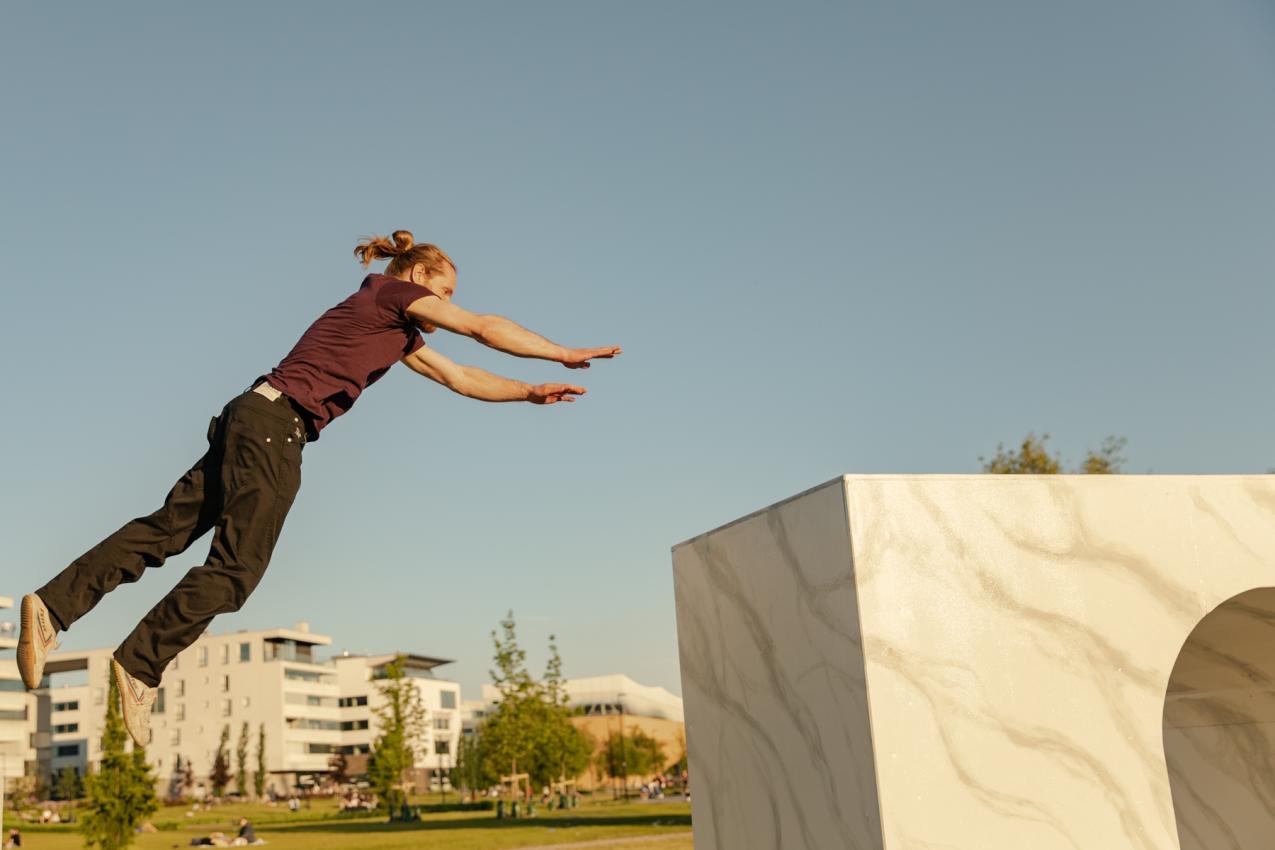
554,393
578,358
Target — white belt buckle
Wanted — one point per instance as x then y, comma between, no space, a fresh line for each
266,390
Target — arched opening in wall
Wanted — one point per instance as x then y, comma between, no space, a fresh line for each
1219,727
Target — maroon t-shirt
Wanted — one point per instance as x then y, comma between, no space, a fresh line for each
349,348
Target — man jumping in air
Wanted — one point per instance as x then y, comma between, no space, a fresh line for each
244,484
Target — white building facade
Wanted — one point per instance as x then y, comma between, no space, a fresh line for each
271,679
17,707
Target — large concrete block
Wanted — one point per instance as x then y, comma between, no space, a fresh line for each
985,663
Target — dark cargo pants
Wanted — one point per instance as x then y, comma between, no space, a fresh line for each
242,487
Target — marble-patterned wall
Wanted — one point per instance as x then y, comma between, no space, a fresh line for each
986,656
773,683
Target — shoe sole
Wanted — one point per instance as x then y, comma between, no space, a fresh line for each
121,684
26,645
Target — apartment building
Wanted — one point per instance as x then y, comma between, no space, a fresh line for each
269,679
17,707
357,678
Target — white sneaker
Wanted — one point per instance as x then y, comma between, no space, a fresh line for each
136,700
35,641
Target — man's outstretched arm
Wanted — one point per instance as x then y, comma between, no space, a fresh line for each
502,334
482,385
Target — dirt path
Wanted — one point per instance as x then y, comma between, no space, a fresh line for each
611,842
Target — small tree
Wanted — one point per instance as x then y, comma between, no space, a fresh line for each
69,786
339,766
1033,458
1107,459
529,731
241,761
635,754
219,776
401,718
188,778
259,780
121,794
470,770
567,748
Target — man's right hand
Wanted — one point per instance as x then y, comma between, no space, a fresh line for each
578,358
553,393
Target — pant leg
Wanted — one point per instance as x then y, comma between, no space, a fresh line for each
188,512
260,474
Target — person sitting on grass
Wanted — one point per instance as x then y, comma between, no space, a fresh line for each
247,835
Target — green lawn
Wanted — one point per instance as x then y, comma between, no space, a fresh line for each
319,829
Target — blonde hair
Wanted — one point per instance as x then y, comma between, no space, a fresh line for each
403,253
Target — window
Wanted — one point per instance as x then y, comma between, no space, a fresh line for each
67,750
312,723
245,652
176,661
352,725
225,653
202,656
225,684
181,687
12,685
181,711
350,702
325,749
175,738
309,699
442,747
447,699
287,650
13,713
66,706
65,728
305,675
158,707
225,708
408,672
443,723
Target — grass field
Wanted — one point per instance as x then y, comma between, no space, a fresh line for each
604,826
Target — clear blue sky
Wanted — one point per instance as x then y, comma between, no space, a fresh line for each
831,237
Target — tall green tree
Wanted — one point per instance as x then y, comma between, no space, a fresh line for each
471,770
634,754
401,720
1032,457
121,794
219,776
68,785
567,748
259,778
339,769
529,730
241,761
